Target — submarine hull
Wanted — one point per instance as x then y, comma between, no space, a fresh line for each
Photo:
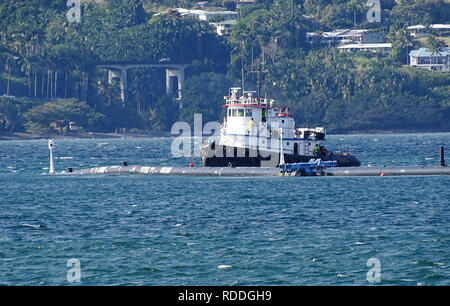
262,171
228,156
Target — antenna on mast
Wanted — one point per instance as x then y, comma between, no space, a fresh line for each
259,72
242,66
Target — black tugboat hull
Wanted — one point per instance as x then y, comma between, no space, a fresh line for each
226,156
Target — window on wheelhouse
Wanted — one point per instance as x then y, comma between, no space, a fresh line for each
240,112
248,112
234,112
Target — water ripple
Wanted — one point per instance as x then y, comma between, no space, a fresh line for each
140,230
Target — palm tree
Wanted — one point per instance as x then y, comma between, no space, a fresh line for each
400,39
434,45
10,59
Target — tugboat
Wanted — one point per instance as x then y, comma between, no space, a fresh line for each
256,133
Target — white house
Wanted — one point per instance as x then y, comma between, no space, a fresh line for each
384,48
419,31
244,3
344,36
224,27
423,58
203,15
201,4
207,15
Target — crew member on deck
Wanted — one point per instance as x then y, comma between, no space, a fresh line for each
250,126
316,150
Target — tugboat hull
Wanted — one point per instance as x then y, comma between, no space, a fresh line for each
226,156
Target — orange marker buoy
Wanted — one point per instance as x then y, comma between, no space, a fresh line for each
191,164
383,174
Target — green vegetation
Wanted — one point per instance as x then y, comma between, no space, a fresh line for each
332,89
49,76
51,115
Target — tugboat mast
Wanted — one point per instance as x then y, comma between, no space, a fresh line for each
259,73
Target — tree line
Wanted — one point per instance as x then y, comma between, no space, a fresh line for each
49,65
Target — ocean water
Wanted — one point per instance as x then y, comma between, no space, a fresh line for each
144,230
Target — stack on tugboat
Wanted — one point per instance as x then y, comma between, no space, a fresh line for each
255,129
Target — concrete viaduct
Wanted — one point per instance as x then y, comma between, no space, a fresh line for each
120,70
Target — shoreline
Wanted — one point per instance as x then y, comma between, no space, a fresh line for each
92,135
388,132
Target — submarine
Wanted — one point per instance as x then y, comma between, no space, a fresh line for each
259,139
312,168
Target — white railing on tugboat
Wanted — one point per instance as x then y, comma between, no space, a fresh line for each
251,101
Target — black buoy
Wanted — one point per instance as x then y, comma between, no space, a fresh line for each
70,170
124,163
442,157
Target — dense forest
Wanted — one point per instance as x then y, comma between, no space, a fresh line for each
49,73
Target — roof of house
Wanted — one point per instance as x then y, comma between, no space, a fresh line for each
184,11
433,26
226,22
338,33
423,52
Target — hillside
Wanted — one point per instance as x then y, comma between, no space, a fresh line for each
50,79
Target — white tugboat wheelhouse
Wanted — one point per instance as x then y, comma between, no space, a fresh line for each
254,122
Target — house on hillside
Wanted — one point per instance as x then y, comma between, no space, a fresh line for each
244,3
344,36
202,15
384,48
224,27
201,4
426,59
419,31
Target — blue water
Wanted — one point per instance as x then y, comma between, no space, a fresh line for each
143,230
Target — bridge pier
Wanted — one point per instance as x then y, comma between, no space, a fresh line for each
123,77
119,70
112,74
123,85
170,75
